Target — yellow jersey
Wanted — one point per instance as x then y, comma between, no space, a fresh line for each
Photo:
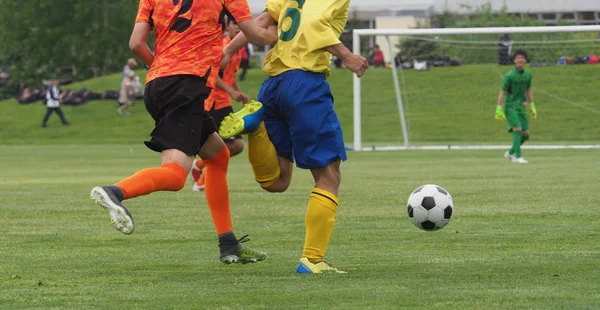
305,28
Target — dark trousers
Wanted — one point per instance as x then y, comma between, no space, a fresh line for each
244,65
58,111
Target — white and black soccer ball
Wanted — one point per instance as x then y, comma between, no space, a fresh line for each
430,207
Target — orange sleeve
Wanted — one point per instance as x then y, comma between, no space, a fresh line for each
239,9
144,14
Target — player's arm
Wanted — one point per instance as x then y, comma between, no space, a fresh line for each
531,103
236,86
500,116
244,99
138,40
237,95
138,43
258,35
501,96
355,63
529,95
328,38
241,12
264,20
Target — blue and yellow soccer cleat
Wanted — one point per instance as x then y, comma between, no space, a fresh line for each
305,266
245,120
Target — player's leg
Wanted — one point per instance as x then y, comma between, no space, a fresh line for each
525,127
320,219
317,145
177,138
197,175
215,155
524,135
514,128
234,144
269,142
270,145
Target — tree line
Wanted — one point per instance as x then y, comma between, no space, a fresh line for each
69,39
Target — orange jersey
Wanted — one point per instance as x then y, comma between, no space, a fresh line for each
218,97
188,35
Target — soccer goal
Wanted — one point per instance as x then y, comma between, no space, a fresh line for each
441,90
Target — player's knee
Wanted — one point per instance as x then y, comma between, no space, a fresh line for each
279,186
235,147
178,176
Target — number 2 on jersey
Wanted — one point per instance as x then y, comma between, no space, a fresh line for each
294,14
182,24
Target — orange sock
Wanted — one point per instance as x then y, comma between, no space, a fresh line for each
201,179
200,163
217,191
169,177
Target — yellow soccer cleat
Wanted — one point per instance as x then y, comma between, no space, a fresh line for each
305,266
245,120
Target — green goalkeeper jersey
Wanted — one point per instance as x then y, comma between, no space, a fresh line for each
515,85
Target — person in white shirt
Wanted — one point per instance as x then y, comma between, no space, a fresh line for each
126,94
53,104
128,69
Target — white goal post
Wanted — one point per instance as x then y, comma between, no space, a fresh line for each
357,103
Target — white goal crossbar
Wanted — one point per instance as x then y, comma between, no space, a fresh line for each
356,36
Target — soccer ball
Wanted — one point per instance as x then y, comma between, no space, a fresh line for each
430,207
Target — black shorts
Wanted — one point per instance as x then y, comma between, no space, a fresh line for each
219,115
176,103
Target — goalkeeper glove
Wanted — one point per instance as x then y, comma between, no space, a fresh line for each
533,110
500,113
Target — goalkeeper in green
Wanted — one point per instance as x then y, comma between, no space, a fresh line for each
515,87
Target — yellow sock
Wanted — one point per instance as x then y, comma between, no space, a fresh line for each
319,221
263,157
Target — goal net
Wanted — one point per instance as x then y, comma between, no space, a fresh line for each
444,89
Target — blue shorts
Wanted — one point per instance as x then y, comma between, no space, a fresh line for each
300,119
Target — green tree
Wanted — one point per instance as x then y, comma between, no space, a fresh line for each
67,38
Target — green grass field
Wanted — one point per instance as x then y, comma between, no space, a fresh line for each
443,106
521,237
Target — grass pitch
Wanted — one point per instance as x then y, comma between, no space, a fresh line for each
521,237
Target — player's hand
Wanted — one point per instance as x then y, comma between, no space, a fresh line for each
272,35
356,64
500,114
240,97
533,110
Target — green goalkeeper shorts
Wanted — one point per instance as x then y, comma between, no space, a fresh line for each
516,118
